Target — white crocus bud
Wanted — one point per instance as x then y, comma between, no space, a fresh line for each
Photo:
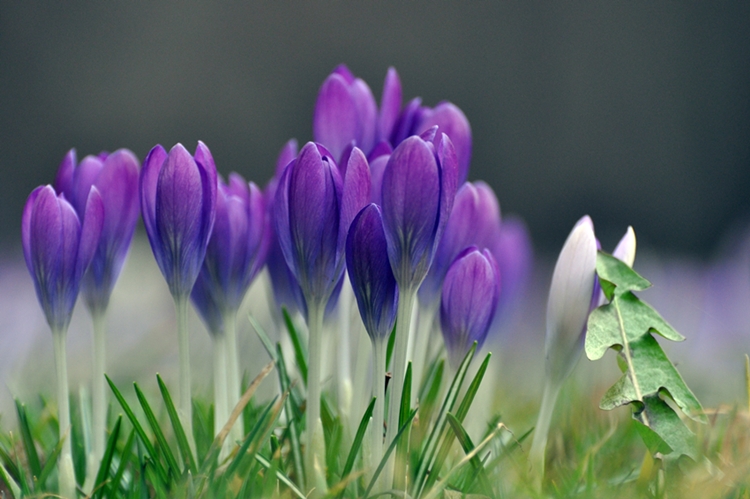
625,250
570,297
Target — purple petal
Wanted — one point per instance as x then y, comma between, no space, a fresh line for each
370,272
209,180
344,71
335,122
152,165
411,205
514,254
469,300
286,156
26,231
448,181
377,170
452,121
258,233
390,104
83,179
356,193
45,241
367,114
382,148
90,232
64,178
405,124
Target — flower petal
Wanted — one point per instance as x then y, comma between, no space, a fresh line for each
335,122
453,122
390,104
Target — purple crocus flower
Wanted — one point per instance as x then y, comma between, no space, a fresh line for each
236,250
370,272
345,113
390,105
474,220
514,254
419,186
451,121
312,211
178,202
116,178
468,303
58,249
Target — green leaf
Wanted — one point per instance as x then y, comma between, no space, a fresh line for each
179,431
173,467
9,482
619,275
28,442
389,451
654,372
51,464
127,451
281,476
467,445
299,352
161,472
638,318
662,430
361,430
109,452
292,411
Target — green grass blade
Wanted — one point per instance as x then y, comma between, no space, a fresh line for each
139,431
402,450
249,439
388,452
50,465
281,476
361,431
468,446
127,451
179,431
389,348
463,409
299,353
173,467
263,336
292,413
104,467
15,490
433,440
32,458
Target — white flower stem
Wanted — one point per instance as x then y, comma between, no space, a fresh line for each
315,443
378,388
99,393
183,345
541,430
421,346
233,372
221,411
67,481
403,325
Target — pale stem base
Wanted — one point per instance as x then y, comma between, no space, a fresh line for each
67,481
221,407
183,345
541,430
315,448
426,319
403,326
378,388
233,373
98,389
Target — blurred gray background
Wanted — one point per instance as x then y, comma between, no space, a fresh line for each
633,112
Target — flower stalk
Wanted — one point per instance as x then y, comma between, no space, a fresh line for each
67,481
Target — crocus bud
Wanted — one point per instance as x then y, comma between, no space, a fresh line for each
419,186
311,217
345,112
625,249
451,121
178,202
474,221
370,272
58,249
116,178
468,303
390,104
570,300
236,251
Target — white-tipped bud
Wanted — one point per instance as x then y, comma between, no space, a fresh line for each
625,250
570,298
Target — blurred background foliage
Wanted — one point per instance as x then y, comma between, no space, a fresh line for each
633,112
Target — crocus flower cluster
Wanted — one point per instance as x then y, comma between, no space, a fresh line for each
375,195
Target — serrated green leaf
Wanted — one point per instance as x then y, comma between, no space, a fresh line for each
638,318
617,272
662,429
654,372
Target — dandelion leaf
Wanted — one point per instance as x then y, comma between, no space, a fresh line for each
627,324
